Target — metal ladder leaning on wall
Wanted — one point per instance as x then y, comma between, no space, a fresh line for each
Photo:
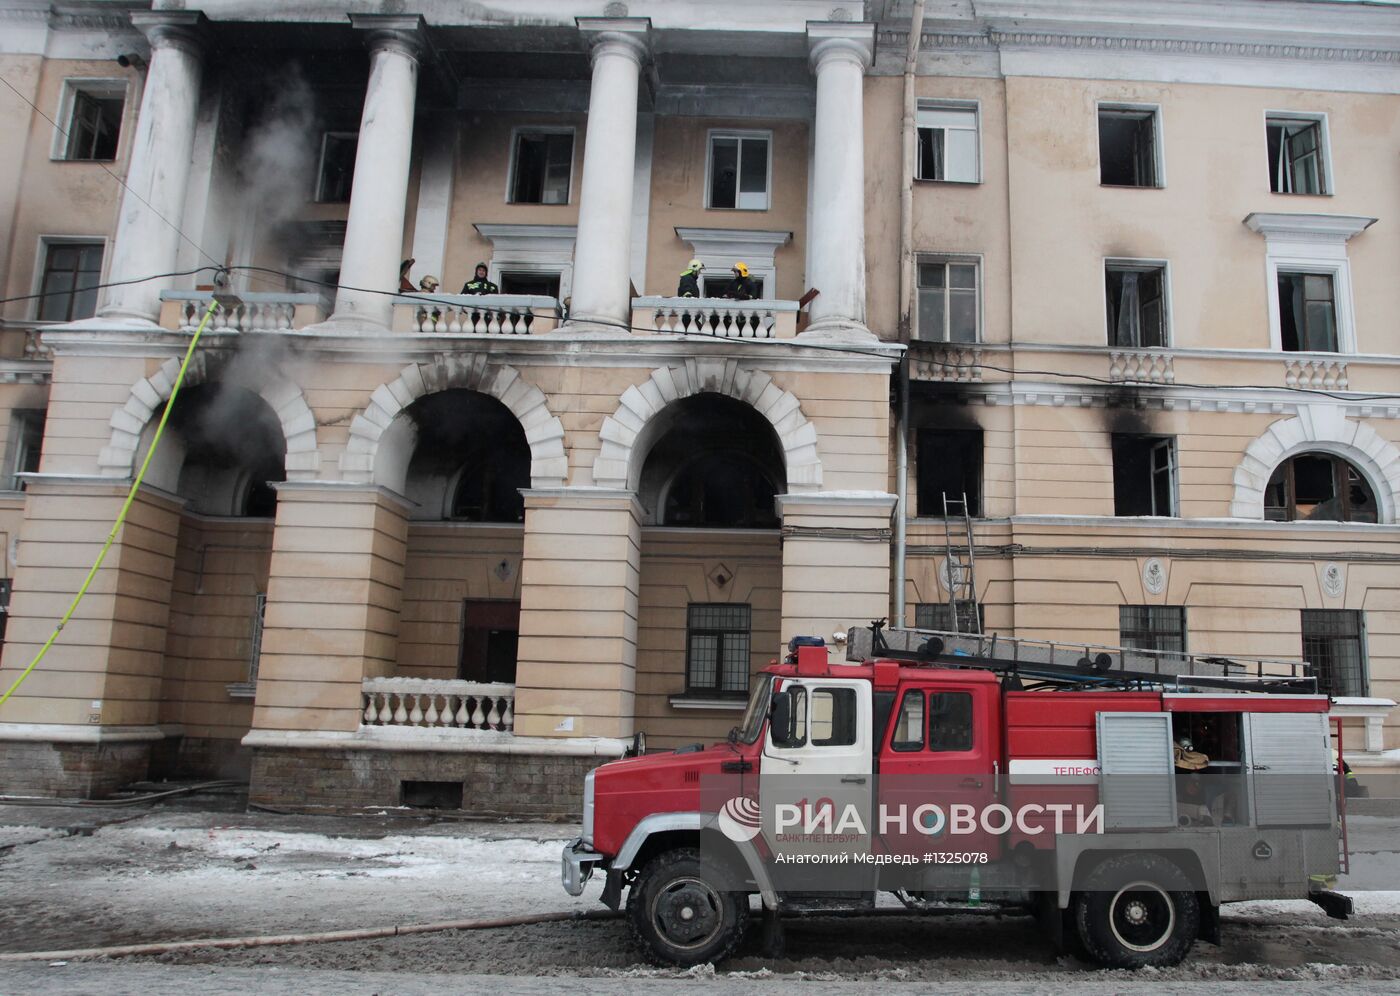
960,567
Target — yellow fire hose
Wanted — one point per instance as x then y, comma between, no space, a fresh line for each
126,506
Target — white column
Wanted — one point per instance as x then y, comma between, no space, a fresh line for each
602,251
147,239
379,193
840,54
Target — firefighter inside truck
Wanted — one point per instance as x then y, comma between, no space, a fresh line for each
1209,768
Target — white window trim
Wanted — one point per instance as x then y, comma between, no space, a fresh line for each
741,133
1328,177
1159,144
954,104
545,249
1310,243
326,136
1143,264
67,94
515,134
41,258
952,257
720,248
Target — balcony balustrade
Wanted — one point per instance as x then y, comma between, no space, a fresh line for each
479,314
715,317
259,312
438,703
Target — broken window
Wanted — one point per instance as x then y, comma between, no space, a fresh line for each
337,170
1128,147
72,271
722,490
719,286
532,284
947,148
717,649
949,464
1296,156
1318,487
25,446
938,615
1137,314
1144,475
1307,312
94,120
542,168
1334,644
739,171
948,301
1152,627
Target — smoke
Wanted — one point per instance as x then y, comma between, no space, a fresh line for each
278,166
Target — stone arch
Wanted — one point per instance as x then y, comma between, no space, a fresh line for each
1323,428
303,458
374,428
617,464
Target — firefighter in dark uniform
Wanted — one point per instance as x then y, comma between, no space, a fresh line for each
690,279
741,288
479,284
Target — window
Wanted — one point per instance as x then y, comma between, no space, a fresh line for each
719,286
833,717
72,271
1307,311
94,120
490,641
534,284
1128,146
1136,298
256,637
25,446
950,463
950,721
738,171
1318,487
1144,475
717,649
1334,644
1152,627
908,732
947,147
937,615
6,587
337,170
948,301
1297,149
543,166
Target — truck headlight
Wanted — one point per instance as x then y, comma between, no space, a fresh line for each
588,808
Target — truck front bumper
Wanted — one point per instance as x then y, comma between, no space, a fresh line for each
576,867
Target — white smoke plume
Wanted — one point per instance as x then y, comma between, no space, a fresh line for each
277,170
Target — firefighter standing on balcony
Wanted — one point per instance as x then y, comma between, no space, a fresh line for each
479,284
690,280
741,288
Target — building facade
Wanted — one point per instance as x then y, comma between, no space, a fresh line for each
401,546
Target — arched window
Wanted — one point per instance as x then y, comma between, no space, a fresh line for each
470,460
233,451
721,490
1318,487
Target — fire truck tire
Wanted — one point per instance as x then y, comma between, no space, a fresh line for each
1137,910
680,911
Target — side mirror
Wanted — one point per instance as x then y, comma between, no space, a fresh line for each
780,717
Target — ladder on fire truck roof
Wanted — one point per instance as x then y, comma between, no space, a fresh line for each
959,569
1056,664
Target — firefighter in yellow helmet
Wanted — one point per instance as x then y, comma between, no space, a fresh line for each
741,288
690,279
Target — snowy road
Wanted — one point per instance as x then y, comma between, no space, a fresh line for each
173,875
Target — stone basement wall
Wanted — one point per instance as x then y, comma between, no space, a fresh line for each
185,758
71,771
534,786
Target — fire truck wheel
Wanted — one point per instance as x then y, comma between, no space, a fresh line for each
1137,910
680,911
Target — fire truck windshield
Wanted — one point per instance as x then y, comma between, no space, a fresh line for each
756,712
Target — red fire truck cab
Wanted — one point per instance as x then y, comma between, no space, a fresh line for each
1121,797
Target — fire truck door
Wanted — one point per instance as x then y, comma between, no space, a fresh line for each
1290,769
941,764
822,761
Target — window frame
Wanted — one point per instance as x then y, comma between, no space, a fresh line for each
326,136
717,691
1364,657
964,605
515,136
1340,464
1324,136
1159,156
1148,630
41,256
742,134
67,101
1158,441
950,104
946,260
1281,271
17,447
979,498
910,746
1140,265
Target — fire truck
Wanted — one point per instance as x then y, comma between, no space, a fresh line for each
1120,796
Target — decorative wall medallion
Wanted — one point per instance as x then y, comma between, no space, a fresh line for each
615,10
1333,579
1154,576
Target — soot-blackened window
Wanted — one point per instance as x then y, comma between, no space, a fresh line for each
950,464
